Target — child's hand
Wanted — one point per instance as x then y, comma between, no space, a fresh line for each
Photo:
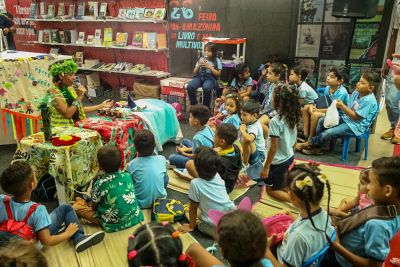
180,149
338,213
242,127
264,173
270,241
185,228
264,72
339,104
217,149
72,229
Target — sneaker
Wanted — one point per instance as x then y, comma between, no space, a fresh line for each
312,151
300,146
182,173
388,135
396,140
89,240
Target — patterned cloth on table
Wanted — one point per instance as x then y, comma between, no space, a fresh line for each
116,131
73,166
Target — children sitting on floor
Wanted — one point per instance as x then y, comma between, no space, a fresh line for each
281,141
206,192
156,244
231,161
358,115
252,138
242,239
232,108
242,83
312,231
114,204
148,171
198,118
19,180
362,200
335,91
368,244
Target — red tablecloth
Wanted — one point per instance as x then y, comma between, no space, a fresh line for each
116,131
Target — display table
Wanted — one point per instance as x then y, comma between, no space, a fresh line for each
116,131
72,166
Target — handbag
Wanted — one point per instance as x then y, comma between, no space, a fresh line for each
323,101
168,210
277,225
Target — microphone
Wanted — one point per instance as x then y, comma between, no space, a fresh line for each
88,97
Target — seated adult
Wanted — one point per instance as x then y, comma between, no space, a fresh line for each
66,101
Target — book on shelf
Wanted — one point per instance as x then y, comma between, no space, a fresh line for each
93,9
97,37
90,39
103,10
137,40
42,9
81,38
122,12
73,35
33,11
61,10
40,36
159,13
108,34
79,58
50,11
62,36
121,39
151,40
148,13
91,63
54,51
55,36
46,36
81,10
130,13
139,12
71,11
144,40
161,40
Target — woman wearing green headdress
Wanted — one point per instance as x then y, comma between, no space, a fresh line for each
66,107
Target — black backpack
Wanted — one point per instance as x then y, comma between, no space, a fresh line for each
45,189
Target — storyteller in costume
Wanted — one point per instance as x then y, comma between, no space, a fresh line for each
66,107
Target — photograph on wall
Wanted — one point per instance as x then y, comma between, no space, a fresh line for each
365,42
311,11
311,65
328,13
308,40
335,40
324,66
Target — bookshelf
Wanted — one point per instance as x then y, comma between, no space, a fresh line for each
99,20
155,74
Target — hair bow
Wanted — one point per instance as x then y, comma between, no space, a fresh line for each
322,178
300,184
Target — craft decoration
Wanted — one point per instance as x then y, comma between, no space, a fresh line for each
66,66
65,140
44,110
216,215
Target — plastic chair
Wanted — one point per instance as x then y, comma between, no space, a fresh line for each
317,257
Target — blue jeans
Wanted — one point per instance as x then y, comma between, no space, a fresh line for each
392,98
65,214
179,160
208,82
324,135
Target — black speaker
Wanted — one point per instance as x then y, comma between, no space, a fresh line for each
354,8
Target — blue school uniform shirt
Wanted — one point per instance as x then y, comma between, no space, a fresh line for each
365,107
204,137
264,263
208,71
233,119
266,105
211,195
302,240
341,94
255,129
287,139
148,176
242,86
370,240
39,219
307,93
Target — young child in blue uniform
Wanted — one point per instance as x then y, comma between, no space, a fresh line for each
358,115
242,83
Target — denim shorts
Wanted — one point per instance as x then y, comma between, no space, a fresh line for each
256,157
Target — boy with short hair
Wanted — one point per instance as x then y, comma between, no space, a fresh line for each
357,117
148,171
114,204
198,118
252,138
19,180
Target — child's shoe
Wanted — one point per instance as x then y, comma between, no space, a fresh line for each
182,173
388,135
89,240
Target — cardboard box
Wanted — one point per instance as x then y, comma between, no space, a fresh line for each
174,86
146,90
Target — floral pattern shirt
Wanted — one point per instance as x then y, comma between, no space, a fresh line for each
117,206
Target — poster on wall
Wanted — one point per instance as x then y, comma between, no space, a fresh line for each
311,11
365,42
328,13
311,65
335,40
308,40
355,74
324,66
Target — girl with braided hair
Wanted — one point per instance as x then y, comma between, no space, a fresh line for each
281,140
313,230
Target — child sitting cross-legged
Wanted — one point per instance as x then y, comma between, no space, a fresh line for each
148,171
114,205
232,108
206,192
231,162
19,180
358,115
367,244
198,118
